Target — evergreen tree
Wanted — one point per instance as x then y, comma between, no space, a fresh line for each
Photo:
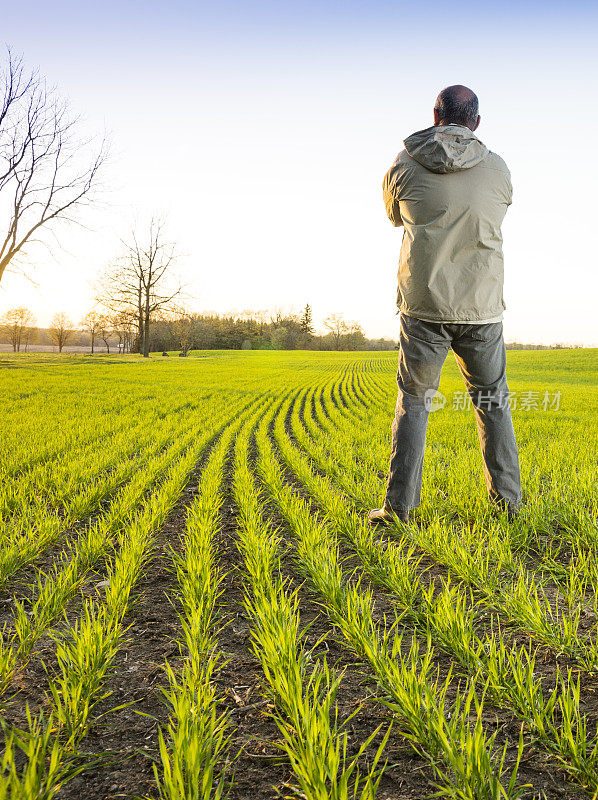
305,321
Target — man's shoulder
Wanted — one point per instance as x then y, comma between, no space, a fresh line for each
406,161
403,163
405,168
494,161
491,161
399,172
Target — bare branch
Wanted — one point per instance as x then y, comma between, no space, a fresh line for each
45,174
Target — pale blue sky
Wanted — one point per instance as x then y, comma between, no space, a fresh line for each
263,131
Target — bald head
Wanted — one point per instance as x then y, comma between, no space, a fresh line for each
458,105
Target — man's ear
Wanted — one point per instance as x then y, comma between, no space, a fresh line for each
436,117
477,123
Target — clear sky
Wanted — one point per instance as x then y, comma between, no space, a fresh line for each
262,131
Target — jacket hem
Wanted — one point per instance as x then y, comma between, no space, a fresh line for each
453,320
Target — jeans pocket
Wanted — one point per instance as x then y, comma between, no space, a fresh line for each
486,333
429,332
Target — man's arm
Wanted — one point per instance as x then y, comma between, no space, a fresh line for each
391,201
509,189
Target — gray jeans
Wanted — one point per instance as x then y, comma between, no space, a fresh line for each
481,356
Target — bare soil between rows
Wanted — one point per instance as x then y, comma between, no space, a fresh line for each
126,740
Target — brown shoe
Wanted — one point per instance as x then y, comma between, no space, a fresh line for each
512,509
386,515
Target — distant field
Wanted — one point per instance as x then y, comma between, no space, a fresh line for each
38,349
190,591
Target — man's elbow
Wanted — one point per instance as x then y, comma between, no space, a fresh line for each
394,215
396,218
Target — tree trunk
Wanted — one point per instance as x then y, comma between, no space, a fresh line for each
140,320
146,326
92,341
146,337
137,346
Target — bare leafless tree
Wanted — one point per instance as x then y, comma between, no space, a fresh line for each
16,325
337,326
29,335
123,327
60,330
91,323
46,174
105,330
141,284
181,324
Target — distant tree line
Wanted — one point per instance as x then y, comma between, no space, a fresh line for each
176,330
183,331
557,346
260,331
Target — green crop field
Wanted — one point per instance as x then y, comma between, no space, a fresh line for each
193,605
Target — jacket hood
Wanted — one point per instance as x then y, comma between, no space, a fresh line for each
446,148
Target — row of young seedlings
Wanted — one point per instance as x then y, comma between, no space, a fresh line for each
356,419
30,538
302,687
56,588
26,451
480,557
463,758
343,397
360,478
193,748
323,460
576,578
194,761
56,483
449,616
355,397
86,651
357,448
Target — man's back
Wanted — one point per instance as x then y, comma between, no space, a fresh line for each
451,194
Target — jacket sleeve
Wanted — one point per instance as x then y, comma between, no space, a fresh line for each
509,189
391,200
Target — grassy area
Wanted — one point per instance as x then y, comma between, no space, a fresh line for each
185,537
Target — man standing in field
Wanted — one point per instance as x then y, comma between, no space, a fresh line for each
450,194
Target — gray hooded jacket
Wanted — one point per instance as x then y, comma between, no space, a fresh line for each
451,194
